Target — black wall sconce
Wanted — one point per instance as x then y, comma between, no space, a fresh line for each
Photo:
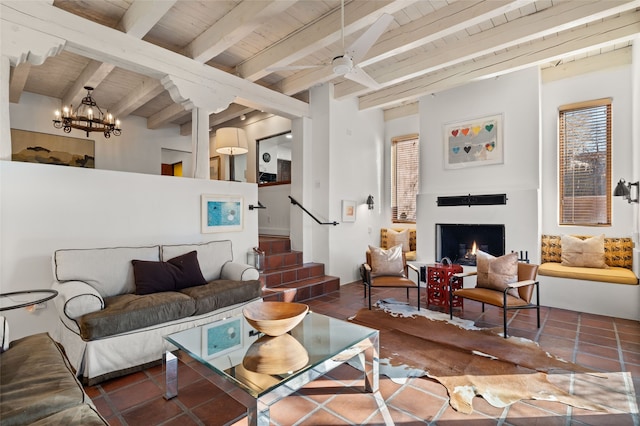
370,202
623,189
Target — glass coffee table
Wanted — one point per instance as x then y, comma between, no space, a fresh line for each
258,370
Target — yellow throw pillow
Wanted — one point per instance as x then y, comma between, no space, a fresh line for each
386,262
394,238
497,272
587,253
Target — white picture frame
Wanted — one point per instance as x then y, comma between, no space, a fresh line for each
222,213
348,211
473,142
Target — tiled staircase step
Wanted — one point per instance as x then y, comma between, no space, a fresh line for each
280,260
274,245
300,291
287,274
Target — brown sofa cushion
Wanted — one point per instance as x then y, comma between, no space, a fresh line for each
36,381
129,312
220,293
84,415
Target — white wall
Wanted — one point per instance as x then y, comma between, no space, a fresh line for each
613,83
516,97
138,149
356,165
276,218
47,207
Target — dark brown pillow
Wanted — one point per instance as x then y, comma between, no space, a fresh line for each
187,270
153,277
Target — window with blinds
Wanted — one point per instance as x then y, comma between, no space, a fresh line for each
404,178
585,163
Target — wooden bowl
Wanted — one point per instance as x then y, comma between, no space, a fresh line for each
274,318
275,355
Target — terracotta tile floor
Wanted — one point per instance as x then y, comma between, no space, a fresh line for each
602,343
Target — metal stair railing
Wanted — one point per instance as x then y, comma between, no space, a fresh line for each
295,203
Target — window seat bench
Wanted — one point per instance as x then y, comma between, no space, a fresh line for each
614,275
612,291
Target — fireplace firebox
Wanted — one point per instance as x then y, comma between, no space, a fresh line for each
459,242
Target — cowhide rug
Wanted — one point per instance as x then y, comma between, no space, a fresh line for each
469,361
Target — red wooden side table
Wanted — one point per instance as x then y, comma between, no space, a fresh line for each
438,285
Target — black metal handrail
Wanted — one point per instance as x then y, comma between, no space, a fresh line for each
295,203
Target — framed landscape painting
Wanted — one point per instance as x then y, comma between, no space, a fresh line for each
471,143
222,213
43,148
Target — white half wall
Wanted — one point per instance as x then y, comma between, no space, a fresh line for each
47,207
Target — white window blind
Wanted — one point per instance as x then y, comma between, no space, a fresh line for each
405,156
585,163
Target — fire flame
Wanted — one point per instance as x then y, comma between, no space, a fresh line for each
473,248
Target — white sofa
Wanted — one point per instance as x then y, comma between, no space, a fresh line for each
108,330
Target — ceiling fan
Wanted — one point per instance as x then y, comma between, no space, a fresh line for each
346,64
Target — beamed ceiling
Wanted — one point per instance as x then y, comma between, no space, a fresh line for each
430,46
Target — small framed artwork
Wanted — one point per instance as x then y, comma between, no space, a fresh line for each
222,213
214,167
348,211
476,142
222,337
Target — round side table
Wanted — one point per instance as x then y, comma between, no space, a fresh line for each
22,299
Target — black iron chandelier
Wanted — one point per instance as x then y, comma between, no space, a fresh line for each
88,117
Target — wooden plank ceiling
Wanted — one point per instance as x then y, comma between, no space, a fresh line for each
430,46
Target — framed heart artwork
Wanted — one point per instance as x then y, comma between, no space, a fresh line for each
475,142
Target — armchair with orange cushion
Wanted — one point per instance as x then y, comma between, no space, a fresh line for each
504,282
390,237
388,269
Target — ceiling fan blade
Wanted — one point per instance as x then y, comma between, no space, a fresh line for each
358,75
294,67
361,46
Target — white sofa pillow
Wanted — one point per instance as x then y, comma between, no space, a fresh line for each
211,256
108,270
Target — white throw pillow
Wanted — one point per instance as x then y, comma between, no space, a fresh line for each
386,262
